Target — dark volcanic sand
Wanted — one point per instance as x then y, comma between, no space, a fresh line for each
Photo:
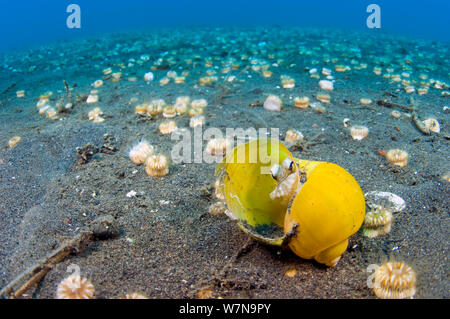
169,245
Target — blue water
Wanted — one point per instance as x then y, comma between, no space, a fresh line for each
28,23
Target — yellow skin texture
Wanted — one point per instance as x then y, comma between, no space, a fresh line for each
328,208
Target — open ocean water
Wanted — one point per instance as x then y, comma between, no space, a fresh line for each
96,96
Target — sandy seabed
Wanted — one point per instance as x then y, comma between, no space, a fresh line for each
169,245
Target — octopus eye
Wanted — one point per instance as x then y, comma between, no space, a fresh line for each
288,163
275,171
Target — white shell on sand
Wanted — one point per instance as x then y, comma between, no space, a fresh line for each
386,200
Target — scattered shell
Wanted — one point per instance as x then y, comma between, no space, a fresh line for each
301,102
342,68
51,113
385,200
207,80
432,124
394,280
41,103
396,114
94,112
97,84
267,74
169,112
164,81
92,98
377,222
410,89
131,193
422,91
218,146
273,103
205,293
172,74
157,165
95,115
397,157
326,85
324,98
148,77
365,101
139,153
14,141
75,287
359,132
167,127
141,109
291,272
326,71
179,79
44,108
293,136
377,70
287,82
396,77
116,76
